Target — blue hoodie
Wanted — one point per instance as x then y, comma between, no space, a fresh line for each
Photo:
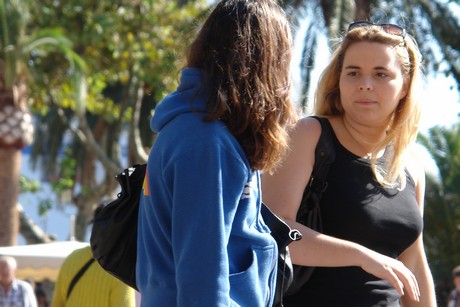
201,238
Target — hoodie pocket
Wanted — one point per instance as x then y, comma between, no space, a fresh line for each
253,286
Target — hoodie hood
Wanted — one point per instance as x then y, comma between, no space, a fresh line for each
178,102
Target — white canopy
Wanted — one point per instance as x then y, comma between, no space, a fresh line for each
41,261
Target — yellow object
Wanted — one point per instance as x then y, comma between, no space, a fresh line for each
96,288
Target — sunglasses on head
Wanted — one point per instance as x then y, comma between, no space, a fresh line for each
387,27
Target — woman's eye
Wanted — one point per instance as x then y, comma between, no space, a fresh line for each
381,75
353,73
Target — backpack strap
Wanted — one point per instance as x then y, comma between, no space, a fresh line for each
324,157
79,275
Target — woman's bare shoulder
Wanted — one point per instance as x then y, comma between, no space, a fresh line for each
416,162
308,126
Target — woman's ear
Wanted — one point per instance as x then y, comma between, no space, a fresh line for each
404,89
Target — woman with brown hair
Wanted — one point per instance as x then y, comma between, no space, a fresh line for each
201,238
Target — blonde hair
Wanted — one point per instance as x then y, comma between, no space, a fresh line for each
403,128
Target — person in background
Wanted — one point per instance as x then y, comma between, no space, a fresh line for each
42,297
371,250
40,293
95,288
454,296
201,238
14,292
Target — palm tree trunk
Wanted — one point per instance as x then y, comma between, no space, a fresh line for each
362,9
10,162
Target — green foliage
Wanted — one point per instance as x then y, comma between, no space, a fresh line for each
127,44
44,205
65,181
19,45
141,39
28,185
442,203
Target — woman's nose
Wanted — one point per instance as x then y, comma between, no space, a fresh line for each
365,85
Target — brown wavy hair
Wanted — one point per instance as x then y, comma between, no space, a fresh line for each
244,50
403,128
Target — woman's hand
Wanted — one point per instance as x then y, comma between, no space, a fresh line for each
392,270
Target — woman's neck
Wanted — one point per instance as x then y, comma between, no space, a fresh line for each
364,138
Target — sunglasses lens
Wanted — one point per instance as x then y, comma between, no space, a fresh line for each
393,29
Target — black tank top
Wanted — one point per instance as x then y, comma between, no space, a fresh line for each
356,208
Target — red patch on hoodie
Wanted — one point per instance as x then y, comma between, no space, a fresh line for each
145,185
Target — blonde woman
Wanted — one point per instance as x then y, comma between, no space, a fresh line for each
371,250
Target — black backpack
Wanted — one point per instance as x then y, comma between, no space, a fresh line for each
114,234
